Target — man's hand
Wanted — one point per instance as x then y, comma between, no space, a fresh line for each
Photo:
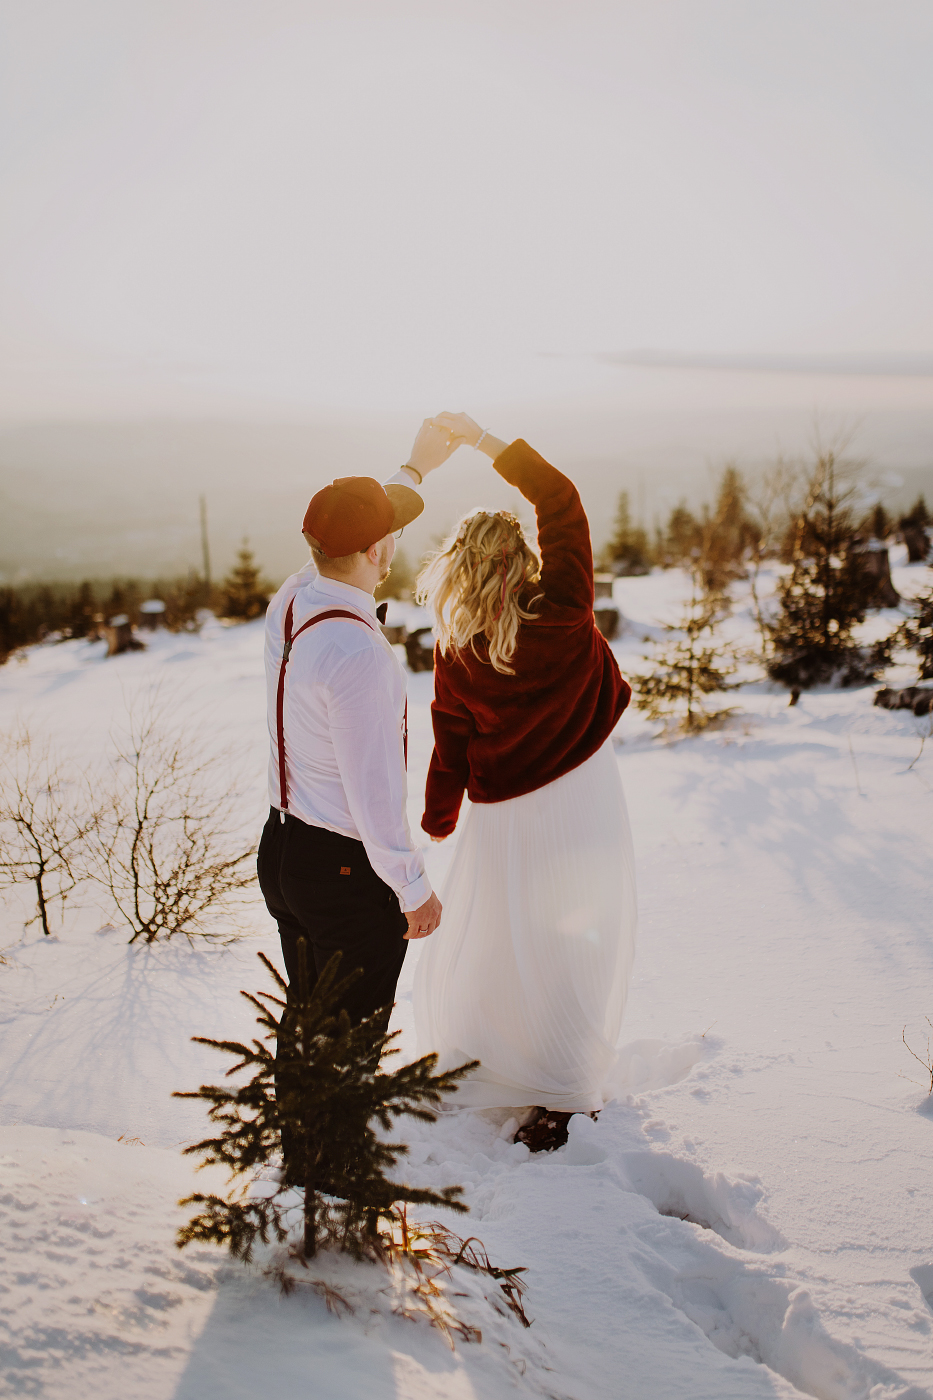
425,920
433,445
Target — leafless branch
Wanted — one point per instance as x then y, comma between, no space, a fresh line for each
926,1062
46,817
168,846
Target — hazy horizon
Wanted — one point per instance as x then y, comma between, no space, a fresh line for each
241,245
121,498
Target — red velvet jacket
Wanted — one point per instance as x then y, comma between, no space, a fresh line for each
498,736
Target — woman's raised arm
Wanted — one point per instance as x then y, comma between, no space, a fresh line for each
563,530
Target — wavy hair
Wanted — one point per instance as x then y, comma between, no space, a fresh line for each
473,584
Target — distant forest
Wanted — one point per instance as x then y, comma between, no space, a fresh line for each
37,612
743,526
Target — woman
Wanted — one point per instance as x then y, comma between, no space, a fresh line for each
528,972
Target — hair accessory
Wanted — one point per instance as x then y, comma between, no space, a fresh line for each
478,442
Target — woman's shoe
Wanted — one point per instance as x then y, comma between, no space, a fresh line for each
547,1132
548,1129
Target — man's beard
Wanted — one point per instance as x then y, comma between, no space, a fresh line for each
385,568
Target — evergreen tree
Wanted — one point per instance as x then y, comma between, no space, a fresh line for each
628,551
81,611
245,594
729,534
691,664
914,528
325,1093
125,597
917,515
877,523
183,598
826,593
682,538
917,633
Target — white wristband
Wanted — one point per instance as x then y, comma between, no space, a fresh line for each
478,443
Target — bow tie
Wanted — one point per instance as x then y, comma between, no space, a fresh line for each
381,611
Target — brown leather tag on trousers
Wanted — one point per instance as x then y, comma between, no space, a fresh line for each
345,870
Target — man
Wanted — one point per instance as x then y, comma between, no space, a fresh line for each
337,864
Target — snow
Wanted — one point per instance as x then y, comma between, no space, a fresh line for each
751,1220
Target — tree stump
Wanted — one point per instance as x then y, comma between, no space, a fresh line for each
151,614
119,635
874,559
607,621
917,542
420,653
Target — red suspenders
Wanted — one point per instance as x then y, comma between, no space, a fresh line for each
280,695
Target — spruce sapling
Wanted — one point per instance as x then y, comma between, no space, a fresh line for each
321,1090
628,552
245,593
916,632
691,665
827,592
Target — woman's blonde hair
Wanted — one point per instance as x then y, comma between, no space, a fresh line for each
473,583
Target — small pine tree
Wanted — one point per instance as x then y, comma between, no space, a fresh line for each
917,633
826,593
917,515
729,534
682,539
914,527
325,1094
245,594
183,598
125,597
82,609
691,665
877,523
628,552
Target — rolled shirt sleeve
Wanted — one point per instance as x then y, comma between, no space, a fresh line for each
366,730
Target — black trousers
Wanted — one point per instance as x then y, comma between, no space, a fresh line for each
320,886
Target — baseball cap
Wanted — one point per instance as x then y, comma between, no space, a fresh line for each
355,511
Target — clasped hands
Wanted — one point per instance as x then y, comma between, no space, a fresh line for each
439,437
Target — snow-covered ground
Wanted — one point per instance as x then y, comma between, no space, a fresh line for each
755,1219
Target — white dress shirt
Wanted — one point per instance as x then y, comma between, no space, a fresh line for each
344,715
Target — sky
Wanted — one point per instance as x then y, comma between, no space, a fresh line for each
289,208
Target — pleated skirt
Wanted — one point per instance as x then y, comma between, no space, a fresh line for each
529,970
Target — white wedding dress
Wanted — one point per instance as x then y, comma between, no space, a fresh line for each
528,972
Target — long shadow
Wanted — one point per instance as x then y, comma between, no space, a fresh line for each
256,1342
111,1052
877,876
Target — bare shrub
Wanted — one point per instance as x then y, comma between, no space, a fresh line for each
168,845
46,819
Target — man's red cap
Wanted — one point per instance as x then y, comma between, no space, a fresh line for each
355,511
